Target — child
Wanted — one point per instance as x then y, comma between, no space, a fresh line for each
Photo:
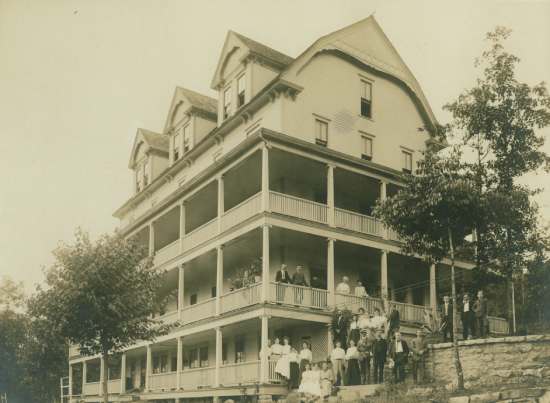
327,378
337,356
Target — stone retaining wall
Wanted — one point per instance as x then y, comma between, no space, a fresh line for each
494,361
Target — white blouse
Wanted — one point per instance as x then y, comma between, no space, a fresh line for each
305,354
352,353
276,349
361,292
285,349
338,354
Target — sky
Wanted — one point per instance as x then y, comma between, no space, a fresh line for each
77,78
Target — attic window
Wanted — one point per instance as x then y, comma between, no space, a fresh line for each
241,86
407,161
366,99
177,145
186,139
226,102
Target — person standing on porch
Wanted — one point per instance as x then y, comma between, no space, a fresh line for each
467,316
299,279
305,356
399,352
282,278
343,287
353,373
337,357
354,331
419,348
393,321
364,346
283,365
379,351
364,321
360,290
340,328
447,319
480,310
294,370
276,350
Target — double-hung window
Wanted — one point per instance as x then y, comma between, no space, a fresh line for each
366,151
178,139
226,102
321,132
407,161
366,99
186,139
241,87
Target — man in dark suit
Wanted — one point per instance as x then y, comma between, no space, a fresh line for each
299,279
282,277
398,352
379,352
467,316
480,311
447,318
340,328
393,321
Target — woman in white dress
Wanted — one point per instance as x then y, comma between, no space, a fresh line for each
276,350
283,364
311,383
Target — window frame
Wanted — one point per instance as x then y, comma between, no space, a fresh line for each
177,149
186,138
365,138
226,101
318,123
407,160
241,92
363,100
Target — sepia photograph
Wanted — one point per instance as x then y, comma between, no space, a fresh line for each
260,201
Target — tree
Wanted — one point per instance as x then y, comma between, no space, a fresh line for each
500,118
101,296
12,294
432,214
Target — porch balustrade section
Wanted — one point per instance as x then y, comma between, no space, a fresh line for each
197,378
198,311
410,312
167,253
273,376
353,303
241,211
74,350
91,388
498,325
241,298
298,207
164,381
357,222
298,295
240,373
169,317
113,386
200,235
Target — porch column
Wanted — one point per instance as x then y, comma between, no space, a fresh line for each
219,347
148,369
265,178
330,272
123,374
330,194
433,288
265,262
182,225
70,382
264,363
219,278
102,374
329,340
151,239
384,275
220,202
84,375
383,184
179,362
181,283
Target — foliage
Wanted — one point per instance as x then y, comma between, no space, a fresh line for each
12,294
101,296
245,276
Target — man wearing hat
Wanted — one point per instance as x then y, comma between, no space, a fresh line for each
364,346
467,316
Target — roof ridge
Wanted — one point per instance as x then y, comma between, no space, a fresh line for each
249,41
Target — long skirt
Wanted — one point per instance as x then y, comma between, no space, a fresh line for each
283,366
353,374
294,380
355,335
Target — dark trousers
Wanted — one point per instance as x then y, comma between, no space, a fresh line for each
365,370
447,330
467,324
379,370
481,326
399,367
418,365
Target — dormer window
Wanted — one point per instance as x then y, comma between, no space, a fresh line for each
142,175
241,87
226,102
178,139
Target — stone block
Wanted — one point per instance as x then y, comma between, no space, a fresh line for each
516,394
489,397
459,399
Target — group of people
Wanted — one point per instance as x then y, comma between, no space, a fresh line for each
474,317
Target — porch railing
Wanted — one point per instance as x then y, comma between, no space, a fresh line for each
197,378
297,207
198,311
392,235
241,211
353,303
298,295
91,389
167,252
201,234
410,312
240,373
169,317
240,298
73,350
357,222
273,376
498,325
164,381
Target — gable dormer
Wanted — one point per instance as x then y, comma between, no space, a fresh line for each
149,157
190,118
244,68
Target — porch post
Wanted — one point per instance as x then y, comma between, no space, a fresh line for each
181,277
384,276
264,363
330,194
265,178
330,273
179,362
265,262
151,239
123,374
70,383
220,202
433,288
383,189
219,346
329,340
101,374
182,225
148,369
219,278
84,375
